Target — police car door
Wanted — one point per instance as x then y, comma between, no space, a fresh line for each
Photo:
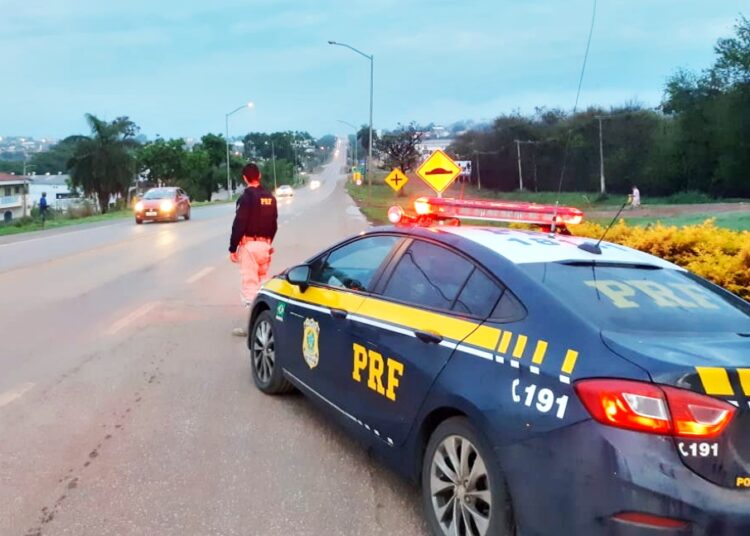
318,318
404,335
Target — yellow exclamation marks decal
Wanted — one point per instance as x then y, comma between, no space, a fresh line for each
504,342
570,362
538,357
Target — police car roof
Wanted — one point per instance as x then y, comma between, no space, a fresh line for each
526,247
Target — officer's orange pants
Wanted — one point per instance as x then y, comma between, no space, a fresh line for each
255,259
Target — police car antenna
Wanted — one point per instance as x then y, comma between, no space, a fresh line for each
594,248
575,109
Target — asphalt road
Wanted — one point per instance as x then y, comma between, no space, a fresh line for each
127,408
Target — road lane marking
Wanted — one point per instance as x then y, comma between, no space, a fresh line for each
14,394
200,275
132,317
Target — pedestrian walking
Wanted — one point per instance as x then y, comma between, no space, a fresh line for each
253,231
635,197
43,208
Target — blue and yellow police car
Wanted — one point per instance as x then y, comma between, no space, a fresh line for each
533,382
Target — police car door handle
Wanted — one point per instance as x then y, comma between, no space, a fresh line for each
428,337
339,313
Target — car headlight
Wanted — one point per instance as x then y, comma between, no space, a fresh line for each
166,206
139,206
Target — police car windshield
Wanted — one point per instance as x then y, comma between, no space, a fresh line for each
642,298
159,194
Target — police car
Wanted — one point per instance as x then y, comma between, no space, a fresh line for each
533,383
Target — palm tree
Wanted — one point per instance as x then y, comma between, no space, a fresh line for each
103,163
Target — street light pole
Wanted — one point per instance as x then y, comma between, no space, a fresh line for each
356,141
370,57
226,127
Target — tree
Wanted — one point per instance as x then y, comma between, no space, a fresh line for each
200,179
363,136
56,158
163,161
103,164
399,147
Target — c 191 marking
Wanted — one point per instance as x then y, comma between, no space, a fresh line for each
543,400
698,450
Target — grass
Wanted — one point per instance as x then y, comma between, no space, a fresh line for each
736,221
61,221
66,221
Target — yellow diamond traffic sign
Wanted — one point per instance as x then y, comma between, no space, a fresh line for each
396,179
439,171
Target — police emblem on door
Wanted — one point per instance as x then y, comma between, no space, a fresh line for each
310,343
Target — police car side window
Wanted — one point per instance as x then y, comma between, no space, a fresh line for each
508,309
353,265
429,276
479,296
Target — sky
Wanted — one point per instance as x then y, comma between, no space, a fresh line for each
176,67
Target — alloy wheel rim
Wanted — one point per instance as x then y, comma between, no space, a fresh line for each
264,356
460,488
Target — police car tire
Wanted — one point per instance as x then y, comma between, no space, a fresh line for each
501,519
276,384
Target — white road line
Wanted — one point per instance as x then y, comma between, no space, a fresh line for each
132,317
200,275
14,394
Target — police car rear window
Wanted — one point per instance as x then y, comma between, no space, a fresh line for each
643,298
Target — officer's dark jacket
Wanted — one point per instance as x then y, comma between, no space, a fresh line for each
255,216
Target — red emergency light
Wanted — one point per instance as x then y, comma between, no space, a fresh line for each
430,210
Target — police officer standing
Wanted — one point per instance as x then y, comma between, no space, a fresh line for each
253,231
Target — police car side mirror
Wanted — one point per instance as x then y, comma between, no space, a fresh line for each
299,276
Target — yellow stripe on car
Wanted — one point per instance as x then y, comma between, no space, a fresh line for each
715,381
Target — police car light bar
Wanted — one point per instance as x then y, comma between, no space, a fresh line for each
501,211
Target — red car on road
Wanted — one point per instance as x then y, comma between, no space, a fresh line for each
163,204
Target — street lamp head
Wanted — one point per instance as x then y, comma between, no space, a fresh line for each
250,104
332,43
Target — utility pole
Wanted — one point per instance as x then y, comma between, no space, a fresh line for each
273,157
479,172
520,171
603,186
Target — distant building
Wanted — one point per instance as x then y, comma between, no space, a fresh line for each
427,147
57,188
12,196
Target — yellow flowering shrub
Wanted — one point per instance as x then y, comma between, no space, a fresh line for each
720,255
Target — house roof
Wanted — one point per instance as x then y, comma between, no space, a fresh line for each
7,177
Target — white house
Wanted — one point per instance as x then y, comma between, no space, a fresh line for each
12,196
59,194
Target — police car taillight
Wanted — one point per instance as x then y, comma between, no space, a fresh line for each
656,409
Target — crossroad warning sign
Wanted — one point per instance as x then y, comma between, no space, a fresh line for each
438,171
396,179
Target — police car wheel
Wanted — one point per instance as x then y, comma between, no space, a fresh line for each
267,375
463,489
